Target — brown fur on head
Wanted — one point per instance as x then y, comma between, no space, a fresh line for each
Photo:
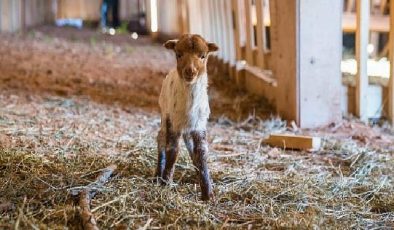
191,55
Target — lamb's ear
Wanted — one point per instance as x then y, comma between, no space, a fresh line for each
212,47
170,44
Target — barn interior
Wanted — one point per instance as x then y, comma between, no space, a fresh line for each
79,114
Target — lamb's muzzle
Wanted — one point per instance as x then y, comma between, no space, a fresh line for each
185,110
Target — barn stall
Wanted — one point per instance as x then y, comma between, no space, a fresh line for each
300,133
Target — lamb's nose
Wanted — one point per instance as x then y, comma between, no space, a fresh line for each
190,71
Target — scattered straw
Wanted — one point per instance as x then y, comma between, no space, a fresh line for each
342,186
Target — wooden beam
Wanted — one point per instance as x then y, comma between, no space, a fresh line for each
181,17
249,32
236,25
284,57
287,141
260,33
383,6
319,61
205,14
391,57
212,22
350,5
306,66
225,31
5,15
218,29
378,23
23,15
230,34
362,40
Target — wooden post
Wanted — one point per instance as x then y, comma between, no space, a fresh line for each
260,33
284,57
183,16
195,21
23,15
391,57
230,34
236,25
362,39
350,5
212,21
225,37
383,6
218,29
249,32
306,66
206,20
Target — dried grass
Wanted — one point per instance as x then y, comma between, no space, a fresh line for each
51,146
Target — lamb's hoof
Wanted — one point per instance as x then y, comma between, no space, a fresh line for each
160,180
208,197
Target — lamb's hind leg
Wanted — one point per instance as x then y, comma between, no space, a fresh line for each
199,157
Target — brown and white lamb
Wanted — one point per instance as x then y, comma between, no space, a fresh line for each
185,109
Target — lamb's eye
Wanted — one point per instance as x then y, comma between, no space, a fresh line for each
178,55
202,56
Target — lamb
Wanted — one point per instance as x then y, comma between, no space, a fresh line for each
185,110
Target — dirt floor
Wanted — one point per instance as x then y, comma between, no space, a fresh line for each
74,102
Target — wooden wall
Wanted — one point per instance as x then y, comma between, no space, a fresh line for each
18,14
90,9
300,73
167,15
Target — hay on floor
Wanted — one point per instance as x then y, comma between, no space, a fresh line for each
50,146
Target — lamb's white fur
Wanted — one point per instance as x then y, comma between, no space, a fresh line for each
184,104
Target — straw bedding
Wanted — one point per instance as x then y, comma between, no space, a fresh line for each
52,147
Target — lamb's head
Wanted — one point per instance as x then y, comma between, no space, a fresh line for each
191,55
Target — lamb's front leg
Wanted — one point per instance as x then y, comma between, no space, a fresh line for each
199,158
172,148
161,153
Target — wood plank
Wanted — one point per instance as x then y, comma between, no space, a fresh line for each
5,15
265,75
218,29
194,10
383,6
284,57
212,22
1,16
230,34
23,15
236,29
249,32
350,5
378,23
224,29
319,61
306,66
374,40
288,141
362,40
260,33
205,20
391,57
260,82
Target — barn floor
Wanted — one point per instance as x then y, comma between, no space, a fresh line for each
74,102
